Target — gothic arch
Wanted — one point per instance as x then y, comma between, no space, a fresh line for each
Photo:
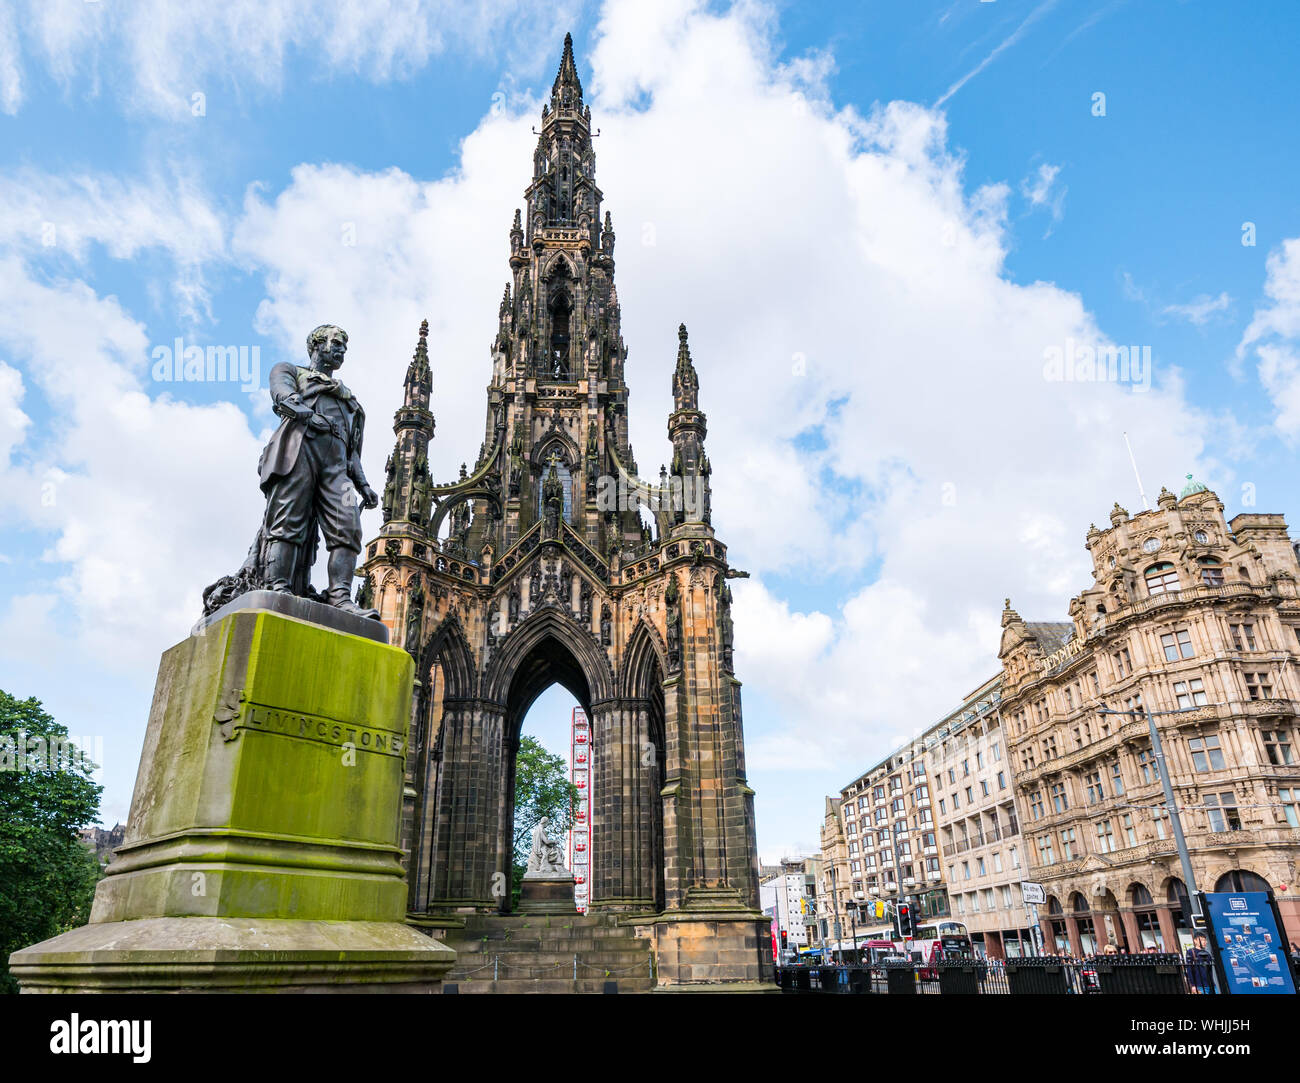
554,624
571,456
450,646
644,654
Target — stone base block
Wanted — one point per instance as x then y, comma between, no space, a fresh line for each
235,955
547,896
712,953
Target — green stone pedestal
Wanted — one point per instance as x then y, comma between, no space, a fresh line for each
261,853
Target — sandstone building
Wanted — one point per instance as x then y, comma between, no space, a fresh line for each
1186,613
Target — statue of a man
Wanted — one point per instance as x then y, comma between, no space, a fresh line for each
311,470
545,857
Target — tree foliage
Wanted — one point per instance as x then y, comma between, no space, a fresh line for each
47,873
542,788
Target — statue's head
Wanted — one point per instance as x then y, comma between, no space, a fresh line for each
326,346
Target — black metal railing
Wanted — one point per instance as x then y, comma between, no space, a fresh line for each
1133,975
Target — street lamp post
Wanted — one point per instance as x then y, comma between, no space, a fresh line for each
1166,783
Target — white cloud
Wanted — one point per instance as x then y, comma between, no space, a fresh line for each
160,53
66,216
1273,336
145,497
1199,310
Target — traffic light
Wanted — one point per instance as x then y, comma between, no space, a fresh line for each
905,927
784,938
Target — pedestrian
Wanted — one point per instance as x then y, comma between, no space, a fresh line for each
1199,961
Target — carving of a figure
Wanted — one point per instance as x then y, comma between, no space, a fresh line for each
545,858
725,625
535,586
606,626
553,500
514,601
673,618
566,584
414,616
585,604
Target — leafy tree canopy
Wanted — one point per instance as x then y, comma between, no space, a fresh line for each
47,873
542,788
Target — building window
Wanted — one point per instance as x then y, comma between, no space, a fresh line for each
997,753
1223,812
1177,644
997,860
970,796
1049,748
965,870
1002,781
1116,780
1259,685
1133,704
1068,844
943,807
1161,578
1277,745
1036,805
1211,571
1160,815
1126,824
1059,800
1095,792
1206,753
1243,636
1190,693
1015,858
1006,897
1148,767
1045,855
984,787
1105,838
1290,798
979,864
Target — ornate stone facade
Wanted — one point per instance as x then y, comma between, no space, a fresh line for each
1187,613
534,567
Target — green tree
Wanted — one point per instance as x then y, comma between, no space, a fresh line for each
47,873
542,788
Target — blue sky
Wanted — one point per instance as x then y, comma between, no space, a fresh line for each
917,200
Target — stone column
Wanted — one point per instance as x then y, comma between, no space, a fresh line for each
1131,931
1072,932
471,787
1168,931
624,815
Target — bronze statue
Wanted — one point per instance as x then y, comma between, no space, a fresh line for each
310,472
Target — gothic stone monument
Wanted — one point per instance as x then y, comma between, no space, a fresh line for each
261,852
534,567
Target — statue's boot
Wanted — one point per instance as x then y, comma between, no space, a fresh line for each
280,559
342,568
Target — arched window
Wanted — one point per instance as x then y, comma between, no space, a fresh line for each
1241,880
566,479
1211,571
557,364
1161,578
